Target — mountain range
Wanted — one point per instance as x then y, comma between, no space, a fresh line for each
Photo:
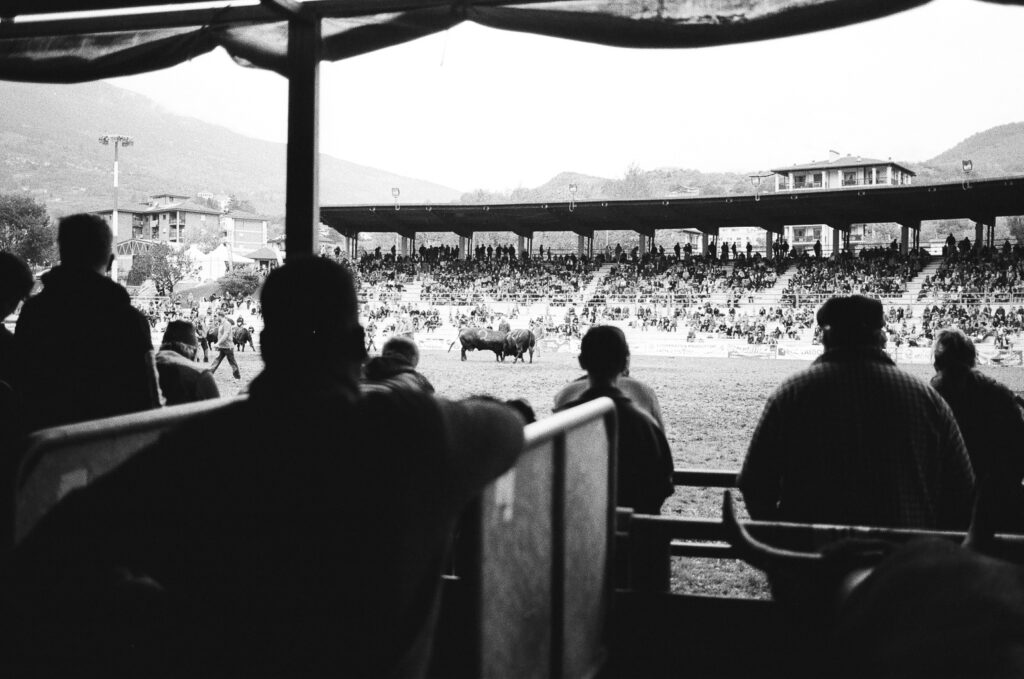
49,138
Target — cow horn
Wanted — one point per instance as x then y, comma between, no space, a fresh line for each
757,553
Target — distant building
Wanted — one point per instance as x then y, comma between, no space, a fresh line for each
165,218
838,172
244,230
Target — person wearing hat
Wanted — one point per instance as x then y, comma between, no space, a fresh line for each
181,379
853,439
644,463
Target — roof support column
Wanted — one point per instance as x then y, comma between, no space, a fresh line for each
302,199
979,230
768,242
704,243
904,240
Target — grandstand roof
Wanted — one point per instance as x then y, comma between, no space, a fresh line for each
980,200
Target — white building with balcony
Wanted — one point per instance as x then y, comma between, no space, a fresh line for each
838,172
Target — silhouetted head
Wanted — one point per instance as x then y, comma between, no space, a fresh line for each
953,349
181,337
16,282
85,241
604,353
853,320
310,317
403,347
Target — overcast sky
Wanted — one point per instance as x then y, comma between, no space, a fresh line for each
478,108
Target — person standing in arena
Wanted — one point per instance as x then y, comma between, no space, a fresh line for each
854,440
991,424
83,351
254,539
225,345
644,458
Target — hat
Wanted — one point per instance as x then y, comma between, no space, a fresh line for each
180,331
855,312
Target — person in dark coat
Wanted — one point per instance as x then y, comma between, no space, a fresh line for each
84,352
15,283
644,457
279,535
181,379
395,368
991,424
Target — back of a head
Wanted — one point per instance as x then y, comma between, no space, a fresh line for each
16,281
402,347
84,240
180,332
953,349
309,306
604,352
852,320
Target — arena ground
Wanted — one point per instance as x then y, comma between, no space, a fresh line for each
710,407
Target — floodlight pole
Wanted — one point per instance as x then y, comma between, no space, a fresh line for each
118,140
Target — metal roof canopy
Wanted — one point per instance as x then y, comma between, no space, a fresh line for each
37,44
982,201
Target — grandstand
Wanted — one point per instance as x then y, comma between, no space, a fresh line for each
701,305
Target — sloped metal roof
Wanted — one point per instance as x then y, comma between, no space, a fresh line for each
981,201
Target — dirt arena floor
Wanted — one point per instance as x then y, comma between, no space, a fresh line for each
710,407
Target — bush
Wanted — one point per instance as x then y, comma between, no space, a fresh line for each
240,282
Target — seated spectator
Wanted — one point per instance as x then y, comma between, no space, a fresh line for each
181,380
281,535
991,424
644,458
641,393
83,351
395,368
854,440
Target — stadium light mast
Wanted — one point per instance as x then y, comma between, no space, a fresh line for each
117,140
755,181
967,166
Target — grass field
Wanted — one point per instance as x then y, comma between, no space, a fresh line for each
710,408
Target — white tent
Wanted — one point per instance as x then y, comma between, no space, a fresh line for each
214,264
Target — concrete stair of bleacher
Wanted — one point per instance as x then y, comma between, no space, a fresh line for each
914,286
411,292
770,297
591,289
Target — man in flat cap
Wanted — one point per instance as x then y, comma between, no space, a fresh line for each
852,439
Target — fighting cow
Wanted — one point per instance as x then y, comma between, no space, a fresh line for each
924,608
482,339
242,336
519,341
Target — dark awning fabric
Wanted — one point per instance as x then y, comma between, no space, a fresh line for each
350,29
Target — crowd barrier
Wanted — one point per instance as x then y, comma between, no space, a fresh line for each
57,460
532,599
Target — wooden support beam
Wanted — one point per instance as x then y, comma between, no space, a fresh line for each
302,200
